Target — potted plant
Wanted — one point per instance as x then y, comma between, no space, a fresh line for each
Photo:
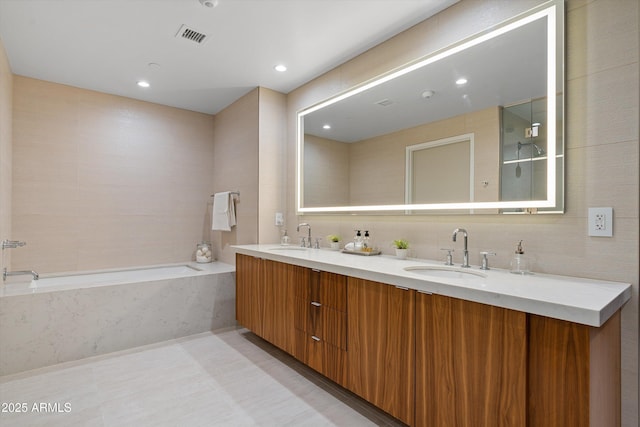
402,247
334,241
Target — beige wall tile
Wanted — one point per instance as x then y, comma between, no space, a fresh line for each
602,108
235,168
100,180
6,136
272,170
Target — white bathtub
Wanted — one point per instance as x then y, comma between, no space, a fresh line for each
60,318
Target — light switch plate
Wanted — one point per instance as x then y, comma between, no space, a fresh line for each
279,219
601,222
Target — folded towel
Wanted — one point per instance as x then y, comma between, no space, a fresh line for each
224,211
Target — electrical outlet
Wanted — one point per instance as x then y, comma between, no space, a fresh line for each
279,219
601,222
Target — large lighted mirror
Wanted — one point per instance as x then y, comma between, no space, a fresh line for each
475,127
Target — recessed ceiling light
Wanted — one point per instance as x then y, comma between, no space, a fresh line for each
143,83
280,67
461,81
327,126
209,3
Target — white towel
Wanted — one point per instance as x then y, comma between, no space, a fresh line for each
224,211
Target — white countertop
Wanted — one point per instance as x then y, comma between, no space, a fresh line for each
586,301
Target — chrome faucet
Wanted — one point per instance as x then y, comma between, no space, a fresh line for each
6,273
12,244
304,224
465,258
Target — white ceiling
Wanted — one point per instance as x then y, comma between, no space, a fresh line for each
107,45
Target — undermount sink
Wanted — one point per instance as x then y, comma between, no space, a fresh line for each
288,248
445,272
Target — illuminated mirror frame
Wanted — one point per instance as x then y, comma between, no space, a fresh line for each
555,39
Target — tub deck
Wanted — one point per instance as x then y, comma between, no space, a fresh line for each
65,318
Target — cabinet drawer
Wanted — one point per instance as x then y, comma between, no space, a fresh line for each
332,291
326,323
320,355
328,289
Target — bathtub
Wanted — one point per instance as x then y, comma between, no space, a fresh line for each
60,318
112,277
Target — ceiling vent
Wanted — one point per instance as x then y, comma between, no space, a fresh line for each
384,102
188,33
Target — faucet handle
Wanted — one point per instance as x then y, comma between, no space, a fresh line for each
317,243
485,261
303,242
449,256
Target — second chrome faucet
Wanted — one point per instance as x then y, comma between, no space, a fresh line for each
304,224
465,258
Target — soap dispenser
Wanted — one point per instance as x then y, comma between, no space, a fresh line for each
357,241
367,246
519,263
284,240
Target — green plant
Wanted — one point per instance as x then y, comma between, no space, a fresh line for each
401,244
333,238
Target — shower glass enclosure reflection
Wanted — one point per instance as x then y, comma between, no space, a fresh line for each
523,174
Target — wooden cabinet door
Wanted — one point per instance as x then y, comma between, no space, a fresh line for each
381,342
471,364
249,293
574,373
279,280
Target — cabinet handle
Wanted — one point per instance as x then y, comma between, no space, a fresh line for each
425,292
315,304
317,271
315,338
402,288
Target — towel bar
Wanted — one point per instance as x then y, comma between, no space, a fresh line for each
237,193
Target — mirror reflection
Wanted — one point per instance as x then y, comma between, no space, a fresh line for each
354,149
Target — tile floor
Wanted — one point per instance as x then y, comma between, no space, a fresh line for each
229,378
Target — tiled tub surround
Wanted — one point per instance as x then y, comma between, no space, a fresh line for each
585,301
45,325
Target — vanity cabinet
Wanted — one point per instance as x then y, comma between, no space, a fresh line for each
382,346
433,360
471,363
321,324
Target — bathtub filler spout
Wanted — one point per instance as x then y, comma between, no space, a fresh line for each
6,274
12,244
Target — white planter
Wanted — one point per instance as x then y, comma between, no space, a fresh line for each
401,253
335,245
